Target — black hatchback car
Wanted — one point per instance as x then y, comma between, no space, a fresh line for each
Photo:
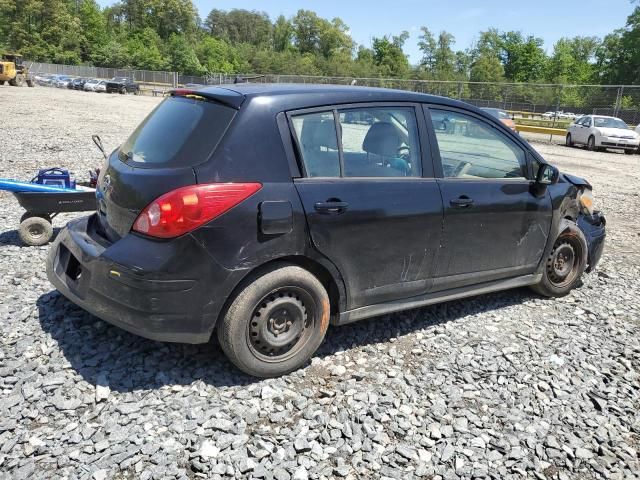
267,212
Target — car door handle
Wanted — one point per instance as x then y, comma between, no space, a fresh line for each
331,207
461,202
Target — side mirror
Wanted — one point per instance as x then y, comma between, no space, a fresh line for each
98,141
547,175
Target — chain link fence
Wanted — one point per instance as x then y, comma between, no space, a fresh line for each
535,99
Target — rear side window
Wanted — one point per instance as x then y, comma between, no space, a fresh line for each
318,142
180,132
373,142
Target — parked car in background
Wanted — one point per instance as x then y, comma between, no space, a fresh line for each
100,87
503,116
599,132
122,85
42,78
48,80
63,81
559,115
193,235
90,84
77,83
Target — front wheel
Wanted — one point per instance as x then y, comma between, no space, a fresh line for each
631,152
591,144
565,264
569,140
276,322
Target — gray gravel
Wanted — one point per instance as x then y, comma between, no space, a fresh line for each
501,386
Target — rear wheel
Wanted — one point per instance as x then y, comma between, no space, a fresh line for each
35,230
565,264
591,144
569,140
276,322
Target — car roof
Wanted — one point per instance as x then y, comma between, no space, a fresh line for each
296,96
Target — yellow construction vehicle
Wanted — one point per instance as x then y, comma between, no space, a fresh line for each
13,70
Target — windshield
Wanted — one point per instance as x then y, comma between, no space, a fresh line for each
605,122
181,131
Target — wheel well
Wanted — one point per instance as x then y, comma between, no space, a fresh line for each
321,273
337,299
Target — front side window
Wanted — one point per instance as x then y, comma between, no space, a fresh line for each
373,142
471,148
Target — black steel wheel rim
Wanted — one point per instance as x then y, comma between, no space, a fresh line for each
281,324
562,265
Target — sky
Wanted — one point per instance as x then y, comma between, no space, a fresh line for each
547,19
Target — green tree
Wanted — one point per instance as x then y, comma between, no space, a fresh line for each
240,26
389,56
282,34
218,56
182,56
316,35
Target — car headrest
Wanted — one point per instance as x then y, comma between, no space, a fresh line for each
317,133
383,139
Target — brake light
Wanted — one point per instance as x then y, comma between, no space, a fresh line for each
185,209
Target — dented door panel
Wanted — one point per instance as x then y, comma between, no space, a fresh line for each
503,233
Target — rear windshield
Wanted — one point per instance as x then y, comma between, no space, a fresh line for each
180,132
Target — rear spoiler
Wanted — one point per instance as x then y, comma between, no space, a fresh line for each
225,96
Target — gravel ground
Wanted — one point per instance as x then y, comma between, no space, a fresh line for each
501,386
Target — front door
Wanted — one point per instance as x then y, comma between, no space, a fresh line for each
494,226
369,209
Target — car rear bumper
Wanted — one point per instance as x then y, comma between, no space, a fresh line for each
593,228
158,290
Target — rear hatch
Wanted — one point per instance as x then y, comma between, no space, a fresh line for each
183,131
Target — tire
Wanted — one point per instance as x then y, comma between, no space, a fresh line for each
565,264
123,91
591,144
2,82
630,152
569,141
276,322
35,231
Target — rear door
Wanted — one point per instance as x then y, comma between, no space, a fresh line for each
372,205
494,226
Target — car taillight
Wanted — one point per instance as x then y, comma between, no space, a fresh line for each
185,209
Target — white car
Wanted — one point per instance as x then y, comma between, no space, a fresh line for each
96,85
89,85
599,132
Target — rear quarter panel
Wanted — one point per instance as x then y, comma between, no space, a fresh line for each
253,150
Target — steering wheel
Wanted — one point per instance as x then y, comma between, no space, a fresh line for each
462,168
404,152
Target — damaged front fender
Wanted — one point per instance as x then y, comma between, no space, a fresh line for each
593,228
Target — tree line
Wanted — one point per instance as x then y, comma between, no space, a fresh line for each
170,35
